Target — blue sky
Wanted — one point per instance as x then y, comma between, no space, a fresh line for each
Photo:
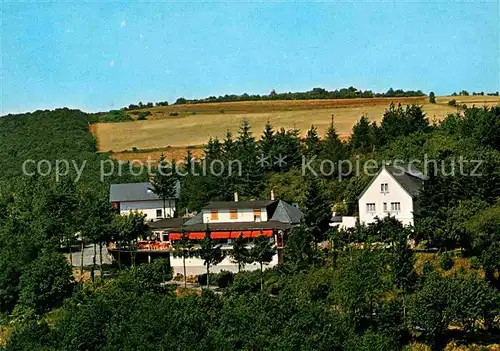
100,56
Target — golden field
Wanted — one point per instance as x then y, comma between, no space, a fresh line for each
196,123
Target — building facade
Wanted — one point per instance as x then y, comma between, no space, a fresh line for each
391,192
139,197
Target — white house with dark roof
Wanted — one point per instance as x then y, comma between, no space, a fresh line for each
139,197
391,192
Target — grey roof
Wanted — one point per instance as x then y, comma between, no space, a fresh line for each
134,192
195,220
199,227
238,204
409,177
286,213
336,219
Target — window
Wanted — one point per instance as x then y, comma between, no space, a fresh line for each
370,207
395,206
233,214
384,188
214,215
158,213
385,206
257,214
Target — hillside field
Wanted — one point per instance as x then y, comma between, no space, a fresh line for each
173,128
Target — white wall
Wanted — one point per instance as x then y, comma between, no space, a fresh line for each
148,207
396,193
194,266
348,222
244,215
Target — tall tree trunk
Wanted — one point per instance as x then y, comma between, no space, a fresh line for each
261,277
119,256
70,253
184,268
100,258
132,254
208,275
164,208
81,257
95,256
404,308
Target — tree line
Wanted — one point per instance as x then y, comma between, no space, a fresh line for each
314,94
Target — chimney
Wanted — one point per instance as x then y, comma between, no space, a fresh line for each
235,196
272,194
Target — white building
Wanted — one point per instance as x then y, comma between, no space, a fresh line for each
139,197
227,220
391,192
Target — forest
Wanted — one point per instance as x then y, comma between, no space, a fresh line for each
314,94
367,290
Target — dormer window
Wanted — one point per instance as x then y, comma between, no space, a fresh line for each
257,215
233,214
384,188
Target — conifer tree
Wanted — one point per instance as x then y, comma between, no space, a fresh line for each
363,136
246,148
332,146
164,181
299,250
267,142
317,211
312,142
228,145
213,149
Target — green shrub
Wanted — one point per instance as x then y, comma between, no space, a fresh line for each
446,261
143,116
475,262
114,116
452,102
224,279
202,279
246,282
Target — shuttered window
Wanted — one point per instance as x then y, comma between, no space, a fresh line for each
214,215
233,214
257,215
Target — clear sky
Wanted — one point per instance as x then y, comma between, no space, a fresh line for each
103,55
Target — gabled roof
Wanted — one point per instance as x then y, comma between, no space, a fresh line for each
134,192
222,205
409,177
286,213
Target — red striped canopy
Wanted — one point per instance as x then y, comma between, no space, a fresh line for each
234,234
